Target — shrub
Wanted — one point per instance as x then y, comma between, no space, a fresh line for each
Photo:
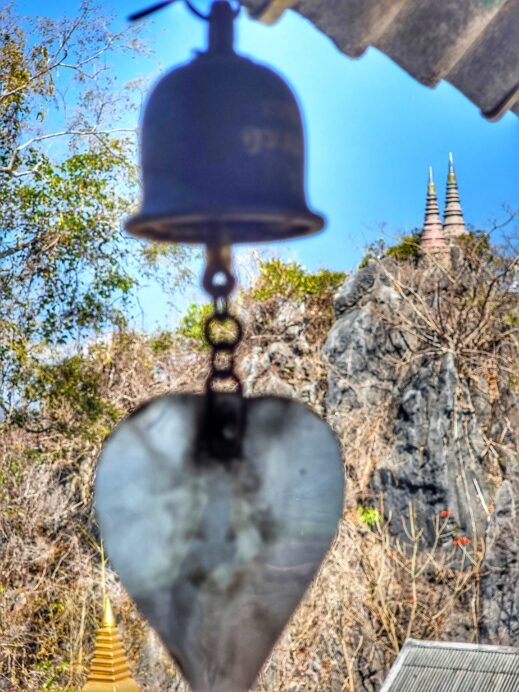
370,516
406,249
278,279
162,342
192,323
71,396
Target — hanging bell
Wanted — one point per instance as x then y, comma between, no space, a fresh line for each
222,151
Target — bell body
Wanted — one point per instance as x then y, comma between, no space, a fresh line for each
222,150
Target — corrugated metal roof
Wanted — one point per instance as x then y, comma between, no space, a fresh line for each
473,44
453,667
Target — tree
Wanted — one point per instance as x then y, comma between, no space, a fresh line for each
57,71
67,271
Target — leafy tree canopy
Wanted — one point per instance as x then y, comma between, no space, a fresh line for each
289,280
67,178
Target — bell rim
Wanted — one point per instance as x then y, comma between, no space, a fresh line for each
250,226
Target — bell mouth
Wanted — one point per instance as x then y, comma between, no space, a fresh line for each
232,227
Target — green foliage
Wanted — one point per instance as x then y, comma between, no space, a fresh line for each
479,240
476,247
370,516
162,342
71,399
278,279
192,323
55,670
192,326
67,271
58,240
375,250
406,249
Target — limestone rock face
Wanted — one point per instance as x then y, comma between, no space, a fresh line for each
361,349
434,423
430,432
437,452
500,581
281,363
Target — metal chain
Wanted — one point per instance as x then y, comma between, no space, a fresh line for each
222,330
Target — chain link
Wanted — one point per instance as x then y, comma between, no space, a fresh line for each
222,330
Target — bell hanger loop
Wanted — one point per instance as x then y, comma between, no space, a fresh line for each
235,11
140,14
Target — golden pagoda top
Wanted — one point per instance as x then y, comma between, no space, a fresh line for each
109,670
451,176
431,187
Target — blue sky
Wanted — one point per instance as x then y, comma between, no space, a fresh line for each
372,130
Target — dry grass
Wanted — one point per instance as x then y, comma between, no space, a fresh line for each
370,594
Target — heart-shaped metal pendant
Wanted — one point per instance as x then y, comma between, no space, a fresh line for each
217,547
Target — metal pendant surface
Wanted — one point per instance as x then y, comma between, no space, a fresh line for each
217,552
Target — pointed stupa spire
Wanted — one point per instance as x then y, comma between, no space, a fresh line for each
433,238
109,670
453,223
108,614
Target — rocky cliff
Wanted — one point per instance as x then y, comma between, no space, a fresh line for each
426,414
413,366
435,439
449,431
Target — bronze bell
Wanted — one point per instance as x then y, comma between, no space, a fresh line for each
222,151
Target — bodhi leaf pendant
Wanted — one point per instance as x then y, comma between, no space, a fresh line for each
217,529
217,510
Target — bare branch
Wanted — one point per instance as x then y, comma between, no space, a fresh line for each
10,169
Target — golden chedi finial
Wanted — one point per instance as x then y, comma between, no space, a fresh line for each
109,670
451,175
431,188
